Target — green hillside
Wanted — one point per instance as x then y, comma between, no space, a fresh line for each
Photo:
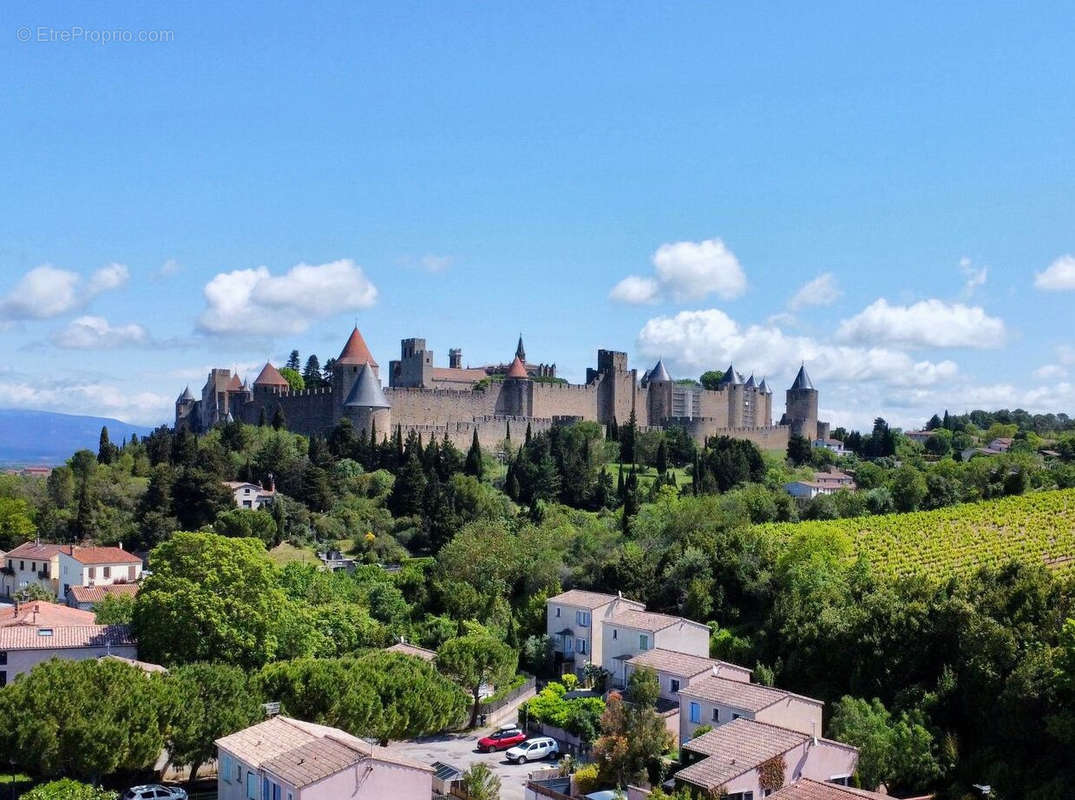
1037,528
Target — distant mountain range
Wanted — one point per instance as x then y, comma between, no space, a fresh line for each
44,438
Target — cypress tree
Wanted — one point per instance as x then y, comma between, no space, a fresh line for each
619,483
399,445
261,417
662,458
507,431
278,419
105,450
473,464
527,433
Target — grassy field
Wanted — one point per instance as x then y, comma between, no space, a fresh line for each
647,475
1038,528
285,552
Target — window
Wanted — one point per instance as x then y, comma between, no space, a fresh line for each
583,618
92,572
251,786
107,572
3,677
614,633
131,573
716,715
568,645
238,772
736,716
580,646
276,791
22,566
3,658
696,712
225,767
266,789
558,612
673,685
643,641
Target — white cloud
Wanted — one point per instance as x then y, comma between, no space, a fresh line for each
47,291
1065,354
1050,371
89,333
168,269
87,397
635,290
434,263
821,291
973,276
1058,276
42,292
927,323
693,341
254,301
687,271
109,277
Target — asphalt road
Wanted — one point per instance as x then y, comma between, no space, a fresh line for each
460,751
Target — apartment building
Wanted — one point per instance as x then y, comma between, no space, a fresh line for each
575,622
714,701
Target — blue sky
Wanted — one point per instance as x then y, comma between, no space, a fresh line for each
884,193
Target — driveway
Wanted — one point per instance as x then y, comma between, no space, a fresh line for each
459,750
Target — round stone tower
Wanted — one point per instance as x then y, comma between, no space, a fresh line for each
802,406
366,405
659,393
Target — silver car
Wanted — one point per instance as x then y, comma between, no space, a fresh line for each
155,791
533,750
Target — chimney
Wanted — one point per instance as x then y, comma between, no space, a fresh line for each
121,545
714,670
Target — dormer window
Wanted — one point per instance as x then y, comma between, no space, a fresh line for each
44,631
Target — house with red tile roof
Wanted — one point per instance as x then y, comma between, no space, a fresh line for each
25,644
96,566
86,597
750,759
31,563
288,758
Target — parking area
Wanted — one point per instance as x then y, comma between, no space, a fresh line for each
460,751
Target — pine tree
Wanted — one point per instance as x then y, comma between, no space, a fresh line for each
619,484
527,441
615,429
293,361
627,440
409,489
473,464
507,431
399,445
311,373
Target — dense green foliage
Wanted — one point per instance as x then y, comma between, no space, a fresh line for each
67,789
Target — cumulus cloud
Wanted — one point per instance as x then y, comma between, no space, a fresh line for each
973,276
821,291
927,323
1050,371
97,333
697,340
1058,276
686,271
256,302
86,397
635,290
47,291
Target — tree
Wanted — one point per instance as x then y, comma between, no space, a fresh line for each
662,458
633,737
106,451
294,379
474,661
711,379
908,488
628,440
114,609
67,789
84,719
409,488
16,526
293,361
473,464
246,523
209,598
279,421
311,373
213,700
481,783
898,753
198,496
799,450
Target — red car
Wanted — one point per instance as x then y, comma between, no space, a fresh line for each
503,739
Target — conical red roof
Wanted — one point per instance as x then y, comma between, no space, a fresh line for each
355,351
517,369
234,385
270,376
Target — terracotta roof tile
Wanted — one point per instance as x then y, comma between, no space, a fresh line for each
735,748
683,663
95,594
806,789
747,696
517,369
101,555
32,637
584,599
645,620
41,613
356,351
412,650
34,550
270,376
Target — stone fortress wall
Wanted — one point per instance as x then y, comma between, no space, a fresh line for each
494,401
